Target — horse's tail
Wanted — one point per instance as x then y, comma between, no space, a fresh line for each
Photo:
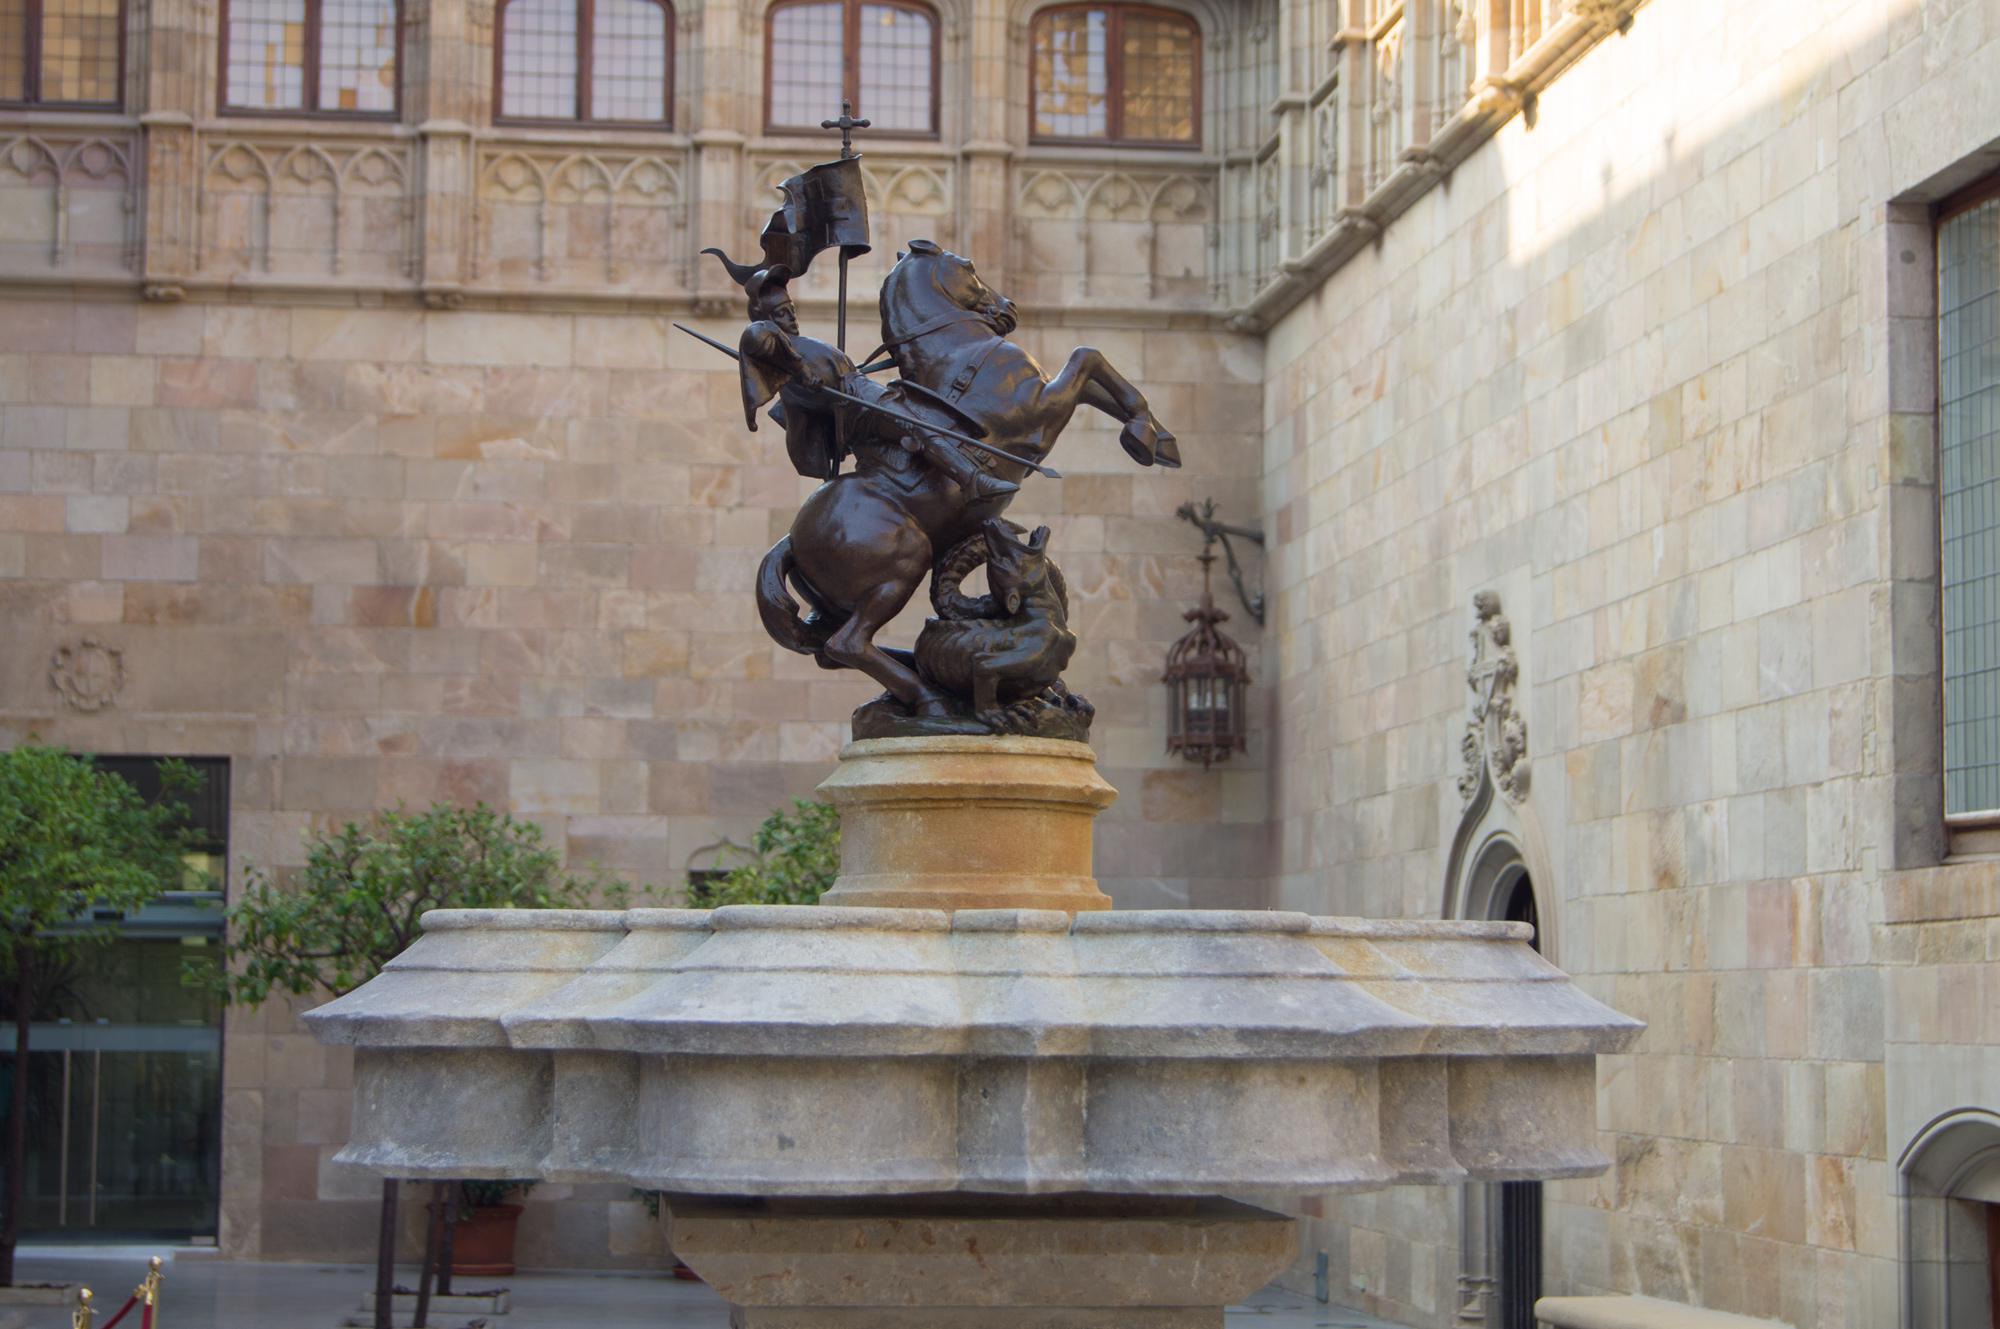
778,609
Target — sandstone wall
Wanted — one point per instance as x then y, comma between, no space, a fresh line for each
1656,365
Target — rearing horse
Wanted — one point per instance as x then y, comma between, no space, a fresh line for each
862,544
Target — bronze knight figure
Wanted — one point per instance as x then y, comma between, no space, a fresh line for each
936,454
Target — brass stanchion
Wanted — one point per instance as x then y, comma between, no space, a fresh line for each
81,1317
148,1292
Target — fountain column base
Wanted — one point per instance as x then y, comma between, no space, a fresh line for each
967,823
981,1261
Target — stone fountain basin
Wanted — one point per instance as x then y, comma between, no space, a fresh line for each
804,1051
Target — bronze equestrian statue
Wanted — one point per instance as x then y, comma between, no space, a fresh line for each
938,454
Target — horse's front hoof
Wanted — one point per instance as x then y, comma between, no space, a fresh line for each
1137,438
1166,451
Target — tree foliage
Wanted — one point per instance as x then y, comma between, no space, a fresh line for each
358,901
76,840
797,856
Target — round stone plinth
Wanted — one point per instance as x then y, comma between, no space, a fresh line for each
967,823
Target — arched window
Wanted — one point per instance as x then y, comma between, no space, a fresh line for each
607,61
1115,74
61,52
336,57
881,55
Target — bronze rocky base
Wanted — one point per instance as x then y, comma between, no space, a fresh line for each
1054,713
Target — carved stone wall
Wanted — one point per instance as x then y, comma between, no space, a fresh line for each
68,201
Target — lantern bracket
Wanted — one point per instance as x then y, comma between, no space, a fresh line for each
1214,532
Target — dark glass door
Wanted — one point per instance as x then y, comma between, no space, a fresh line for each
125,1122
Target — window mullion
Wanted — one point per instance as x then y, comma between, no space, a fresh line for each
586,26
1114,70
310,74
31,77
850,46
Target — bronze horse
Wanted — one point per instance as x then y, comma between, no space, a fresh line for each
870,536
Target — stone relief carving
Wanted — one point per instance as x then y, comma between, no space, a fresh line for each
282,206
1496,733
88,182
87,674
567,213
1101,214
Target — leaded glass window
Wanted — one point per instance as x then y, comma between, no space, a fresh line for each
1969,494
336,56
1115,73
879,57
61,52
607,61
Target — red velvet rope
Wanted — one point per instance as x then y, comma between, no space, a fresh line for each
131,1301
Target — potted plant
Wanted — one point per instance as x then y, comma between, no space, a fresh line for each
482,1242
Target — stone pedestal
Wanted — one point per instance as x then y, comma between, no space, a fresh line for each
981,1261
967,823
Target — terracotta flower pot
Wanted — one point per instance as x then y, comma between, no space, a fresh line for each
483,1243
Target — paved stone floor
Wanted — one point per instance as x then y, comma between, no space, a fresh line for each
226,1294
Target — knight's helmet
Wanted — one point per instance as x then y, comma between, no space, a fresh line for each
764,289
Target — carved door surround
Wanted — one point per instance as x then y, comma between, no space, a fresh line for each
1497,847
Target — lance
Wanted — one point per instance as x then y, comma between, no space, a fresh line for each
846,124
894,414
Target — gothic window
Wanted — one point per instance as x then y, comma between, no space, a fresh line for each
61,52
1116,74
1968,247
335,57
607,61
879,55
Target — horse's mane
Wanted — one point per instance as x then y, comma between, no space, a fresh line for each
921,254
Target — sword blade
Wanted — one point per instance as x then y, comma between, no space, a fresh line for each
702,336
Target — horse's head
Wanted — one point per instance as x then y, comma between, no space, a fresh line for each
928,285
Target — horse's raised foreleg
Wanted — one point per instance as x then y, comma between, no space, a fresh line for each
1089,379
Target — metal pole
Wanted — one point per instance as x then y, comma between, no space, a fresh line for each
840,331
385,1259
96,1103
433,1236
62,1167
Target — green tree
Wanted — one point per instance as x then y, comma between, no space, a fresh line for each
358,903
796,857
75,841
359,900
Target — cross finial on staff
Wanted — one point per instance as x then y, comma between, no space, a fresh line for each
847,124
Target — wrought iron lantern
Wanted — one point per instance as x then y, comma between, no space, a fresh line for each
1207,678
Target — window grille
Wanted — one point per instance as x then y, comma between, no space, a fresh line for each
62,52
605,61
1969,501
1115,73
881,57
310,56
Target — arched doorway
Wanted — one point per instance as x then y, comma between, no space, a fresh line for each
1501,1223
1950,1181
